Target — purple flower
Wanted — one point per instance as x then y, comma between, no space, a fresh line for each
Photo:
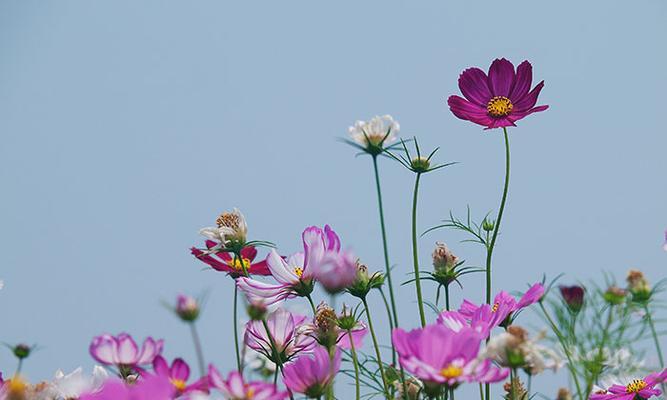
499,99
440,356
178,374
504,307
285,332
123,352
295,273
573,297
312,375
636,389
336,271
150,387
234,387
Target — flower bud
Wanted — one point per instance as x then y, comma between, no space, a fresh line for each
563,394
187,308
420,164
326,324
411,385
573,297
364,283
638,286
614,295
347,320
257,310
488,225
443,259
22,351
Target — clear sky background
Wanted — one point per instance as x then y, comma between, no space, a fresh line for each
126,126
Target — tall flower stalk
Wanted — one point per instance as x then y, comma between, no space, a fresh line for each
376,345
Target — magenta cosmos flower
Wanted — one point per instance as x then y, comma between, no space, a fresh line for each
222,261
504,308
440,356
294,274
499,99
178,374
285,329
123,352
234,387
336,271
636,389
312,375
150,387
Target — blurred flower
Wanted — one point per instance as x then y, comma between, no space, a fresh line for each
235,388
499,99
504,308
150,387
513,349
330,330
664,246
2,284
638,286
312,375
456,361
614,295
231,229
222,261
363,282
187,308
413,387
373,135
74,384
573,297
563,394
259,363
22,351
284,329
178,374
123,352
294,274
336,271
636,388
479,321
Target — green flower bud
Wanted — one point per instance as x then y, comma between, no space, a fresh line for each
614,295
420,164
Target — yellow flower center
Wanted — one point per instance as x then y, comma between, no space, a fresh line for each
239,264
179,384
229,220
494,308
499,106
636,386
451,371
298,271
250,393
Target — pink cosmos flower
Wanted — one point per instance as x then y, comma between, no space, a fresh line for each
234,387
123,352
636,389
499,99
224,262
150,387
479,321
664,246
312,375
441,356
178,374
295,273
336,271
504,307
285,331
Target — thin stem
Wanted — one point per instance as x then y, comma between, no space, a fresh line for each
654,333
198,349
312,305
481,392
512,384
415,255
451,393
18,368
565,347
377,347
239,366
384,245
356,365
599,359
447,297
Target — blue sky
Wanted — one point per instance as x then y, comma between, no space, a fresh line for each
126,126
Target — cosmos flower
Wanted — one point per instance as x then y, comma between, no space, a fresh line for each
231,228
235,388
312,375
514,349
329,329
505,306
440,356
336,271
123,352
178,374
150,387
499,99
284,328
295,273
378,132
224,262
72,385
635,389
573,296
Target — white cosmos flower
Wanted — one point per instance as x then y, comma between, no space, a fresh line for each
372,132
231,226
537,358
72,385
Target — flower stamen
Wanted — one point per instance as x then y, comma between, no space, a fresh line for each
636,386
239,265
298,271
230,220
451,372
499,107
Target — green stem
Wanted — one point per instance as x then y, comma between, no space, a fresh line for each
356,365
18,368
447,297
415,253
312,305
384,245
377,347
654,333
239,366
481,392
198,349
512,384
566,350
599,359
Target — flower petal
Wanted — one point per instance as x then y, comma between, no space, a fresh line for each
524,77
501,77
474,86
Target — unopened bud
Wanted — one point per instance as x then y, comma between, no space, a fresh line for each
257,310
573,297
326,323
22,351
488,225
443,259
614,295
564,394
187,308
638,286
420,164
347,320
